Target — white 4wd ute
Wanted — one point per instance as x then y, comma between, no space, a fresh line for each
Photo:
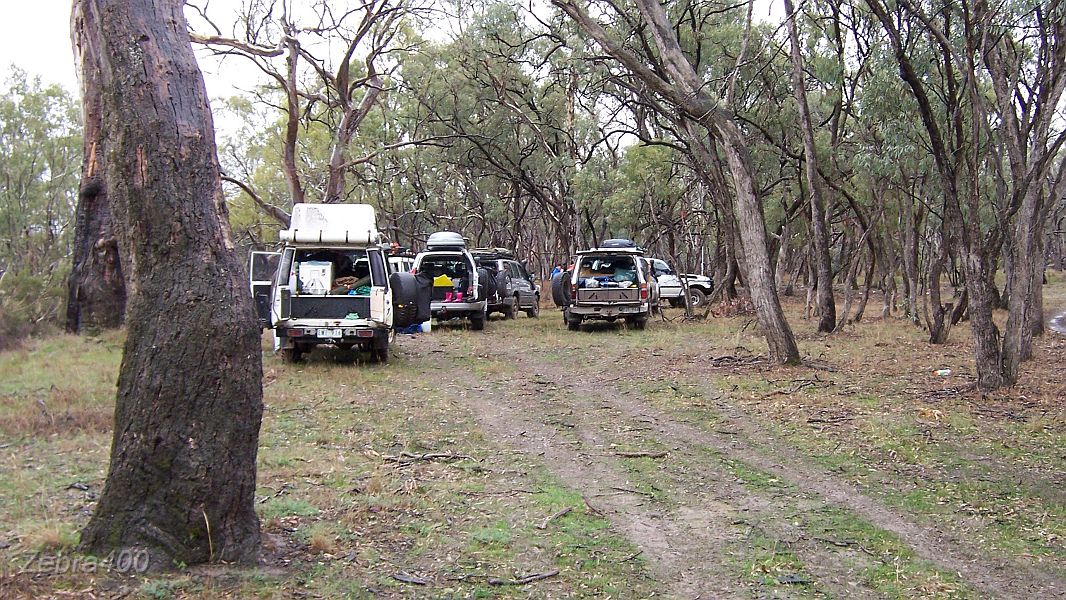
330,284
671,286
608,283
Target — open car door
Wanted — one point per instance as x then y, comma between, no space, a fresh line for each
262,268
380,294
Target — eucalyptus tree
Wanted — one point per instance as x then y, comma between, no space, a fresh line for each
181,478
679,85
40,136
329,63
1017,50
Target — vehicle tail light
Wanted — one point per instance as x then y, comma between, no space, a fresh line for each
365,333
296,332
643,291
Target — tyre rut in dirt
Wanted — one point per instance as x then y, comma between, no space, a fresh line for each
561,289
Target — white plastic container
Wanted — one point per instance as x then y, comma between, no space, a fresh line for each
427,326
316,277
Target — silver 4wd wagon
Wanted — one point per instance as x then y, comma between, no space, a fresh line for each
459,286
608,283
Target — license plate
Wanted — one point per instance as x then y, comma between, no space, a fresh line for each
329,333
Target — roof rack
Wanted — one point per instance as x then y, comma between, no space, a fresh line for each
492,253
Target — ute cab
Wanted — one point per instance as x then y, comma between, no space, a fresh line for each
330,284
672,284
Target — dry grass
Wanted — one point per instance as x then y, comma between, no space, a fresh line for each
341,520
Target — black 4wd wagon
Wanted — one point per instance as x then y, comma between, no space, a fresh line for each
513,289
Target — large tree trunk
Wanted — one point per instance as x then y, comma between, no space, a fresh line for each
819,228
182,472
96,291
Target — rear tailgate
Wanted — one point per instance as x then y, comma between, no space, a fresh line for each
608,295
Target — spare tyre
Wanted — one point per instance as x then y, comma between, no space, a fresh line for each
501,284
484,288
491,283
561,289
409,293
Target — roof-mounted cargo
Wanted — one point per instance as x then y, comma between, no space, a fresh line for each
616,246
445,240
332,224
491,253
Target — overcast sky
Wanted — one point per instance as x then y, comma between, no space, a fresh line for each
37,40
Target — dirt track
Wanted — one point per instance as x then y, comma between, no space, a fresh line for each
692,514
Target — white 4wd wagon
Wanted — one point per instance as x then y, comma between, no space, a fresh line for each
458,283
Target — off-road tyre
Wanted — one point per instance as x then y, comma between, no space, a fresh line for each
534,311
637,322
477,321
697,296
291,355
379,350
561,289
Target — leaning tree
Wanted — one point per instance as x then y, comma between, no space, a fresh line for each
181,482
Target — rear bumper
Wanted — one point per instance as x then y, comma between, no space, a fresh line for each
609,311
314,335
454,309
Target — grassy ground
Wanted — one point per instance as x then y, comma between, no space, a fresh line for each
619,464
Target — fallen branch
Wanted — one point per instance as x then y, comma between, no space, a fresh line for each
548,520
641,454
405,577
592,510
830,420
410,457
523,580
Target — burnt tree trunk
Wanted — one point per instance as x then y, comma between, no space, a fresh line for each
181,479
96,291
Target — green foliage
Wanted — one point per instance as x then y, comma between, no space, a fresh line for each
40,156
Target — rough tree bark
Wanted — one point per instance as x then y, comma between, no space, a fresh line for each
819,227
181,481
96,291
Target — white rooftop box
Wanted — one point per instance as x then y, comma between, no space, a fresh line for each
332,224
445,239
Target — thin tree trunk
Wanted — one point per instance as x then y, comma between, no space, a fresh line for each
819,228
181,479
